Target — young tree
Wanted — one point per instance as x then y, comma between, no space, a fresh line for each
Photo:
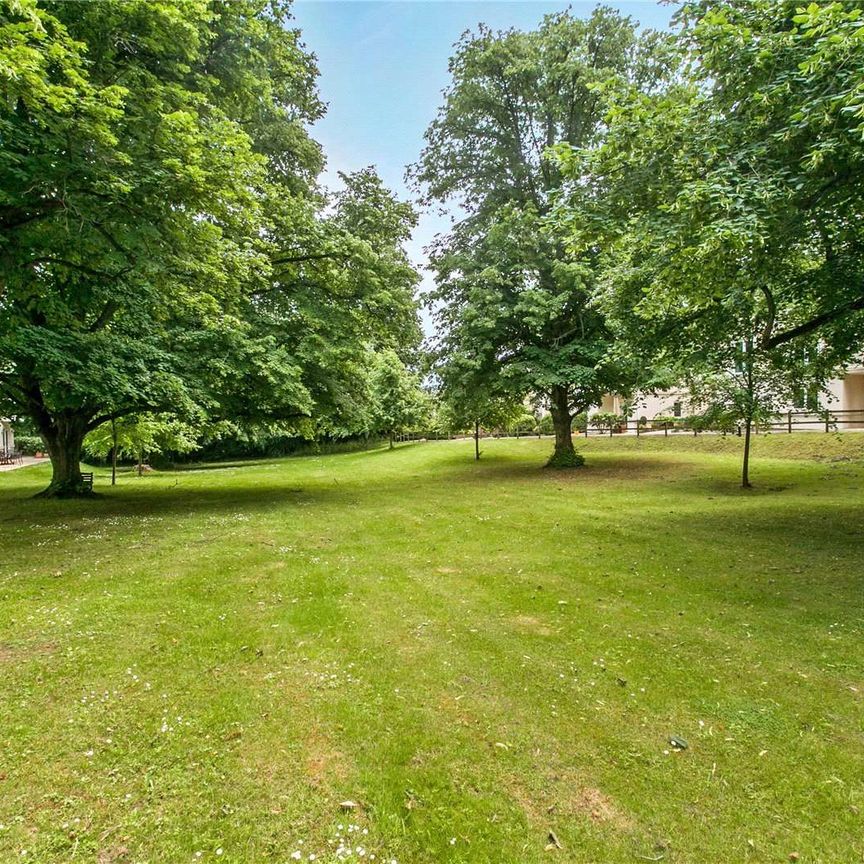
476,409
511,301
398,403
139,437
734,383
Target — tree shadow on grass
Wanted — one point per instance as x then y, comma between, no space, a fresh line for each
169,494
597,469
784,545
207,467
791,560
274,461
168,501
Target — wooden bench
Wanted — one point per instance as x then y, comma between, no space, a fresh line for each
87,480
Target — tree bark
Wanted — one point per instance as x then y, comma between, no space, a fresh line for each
477,441
561,422
113,452
391,440
64,438
748,419
564,456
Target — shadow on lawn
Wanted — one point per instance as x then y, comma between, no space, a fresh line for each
165,500
187,494
190,492
793,545
597,469
273,461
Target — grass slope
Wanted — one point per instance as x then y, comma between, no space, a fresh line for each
202,664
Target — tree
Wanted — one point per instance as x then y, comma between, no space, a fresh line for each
132,211
466,405
477,410
139,437
734,384
163,246
353,295
730,203
398,403
515,309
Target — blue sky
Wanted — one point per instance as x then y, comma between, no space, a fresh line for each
383,66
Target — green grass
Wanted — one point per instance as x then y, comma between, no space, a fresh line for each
475,654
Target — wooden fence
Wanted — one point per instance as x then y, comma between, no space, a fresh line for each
824,420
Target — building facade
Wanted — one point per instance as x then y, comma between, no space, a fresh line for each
7,437
844,400
847,394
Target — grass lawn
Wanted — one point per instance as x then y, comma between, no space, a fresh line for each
202,664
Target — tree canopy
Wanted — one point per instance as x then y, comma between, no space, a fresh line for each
514,308
164,246
633,208
728,203
398,403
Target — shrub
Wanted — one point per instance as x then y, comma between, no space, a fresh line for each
606,420
696,423
29,444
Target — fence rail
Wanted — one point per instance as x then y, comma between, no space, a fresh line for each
824,420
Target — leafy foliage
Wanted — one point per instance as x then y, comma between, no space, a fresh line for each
729,202
138,437
514,308
398,403
163,245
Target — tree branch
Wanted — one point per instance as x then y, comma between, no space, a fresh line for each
115,243
19,395
768,329
14,217
815,323
105,316
72,265
125,412
296,259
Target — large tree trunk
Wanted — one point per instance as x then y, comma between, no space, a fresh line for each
564,456
64,438
477,441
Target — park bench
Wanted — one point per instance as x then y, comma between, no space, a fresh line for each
87,480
